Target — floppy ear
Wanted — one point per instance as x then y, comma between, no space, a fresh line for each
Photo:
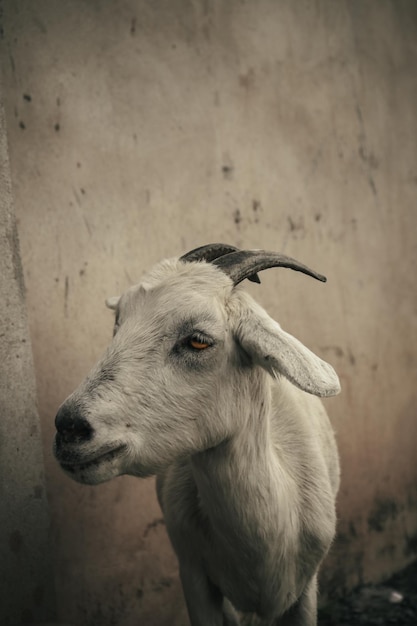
279,352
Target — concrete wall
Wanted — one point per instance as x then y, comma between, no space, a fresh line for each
141,129
26,574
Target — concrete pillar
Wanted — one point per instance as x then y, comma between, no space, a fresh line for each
26,575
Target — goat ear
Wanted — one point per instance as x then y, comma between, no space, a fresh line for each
111,303
279,352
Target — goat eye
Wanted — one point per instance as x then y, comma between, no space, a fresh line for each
197,341
198,345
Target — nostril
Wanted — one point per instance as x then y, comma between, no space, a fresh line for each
71,425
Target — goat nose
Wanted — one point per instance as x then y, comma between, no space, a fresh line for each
71,425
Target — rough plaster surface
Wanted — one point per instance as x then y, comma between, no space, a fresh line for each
142,129
26,576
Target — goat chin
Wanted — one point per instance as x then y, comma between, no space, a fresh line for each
100,469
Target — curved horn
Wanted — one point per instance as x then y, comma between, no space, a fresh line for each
209,252
213,251
245,263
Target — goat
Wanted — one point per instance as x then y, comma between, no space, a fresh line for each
202,388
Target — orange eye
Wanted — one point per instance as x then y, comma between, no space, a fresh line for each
198,345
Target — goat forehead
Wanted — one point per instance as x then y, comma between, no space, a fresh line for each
175,287
174,271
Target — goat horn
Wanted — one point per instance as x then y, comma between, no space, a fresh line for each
209,252
213,251
242,264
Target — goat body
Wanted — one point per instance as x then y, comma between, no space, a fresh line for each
201,387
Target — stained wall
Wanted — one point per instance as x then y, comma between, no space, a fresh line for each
26,572
139,130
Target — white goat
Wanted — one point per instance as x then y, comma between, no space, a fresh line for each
201,387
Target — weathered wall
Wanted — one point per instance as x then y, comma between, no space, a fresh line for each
140,129
26,575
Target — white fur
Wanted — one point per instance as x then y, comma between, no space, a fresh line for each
246,460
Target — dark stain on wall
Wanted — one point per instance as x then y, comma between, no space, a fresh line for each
227,172
383,511
237,217
257,210
159,521
66,294
13,241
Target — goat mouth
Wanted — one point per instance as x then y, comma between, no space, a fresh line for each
100,458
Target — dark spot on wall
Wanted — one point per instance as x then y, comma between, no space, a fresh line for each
362,153
88,227
159,521
82,191
257,209
66,294
128,425
78,164
352,358
352,529
57,127
82,272
227,172
296,226
15,541
133,26
237,217
372,185
22,125
27,97
382,512
317,217
247,80
58,102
